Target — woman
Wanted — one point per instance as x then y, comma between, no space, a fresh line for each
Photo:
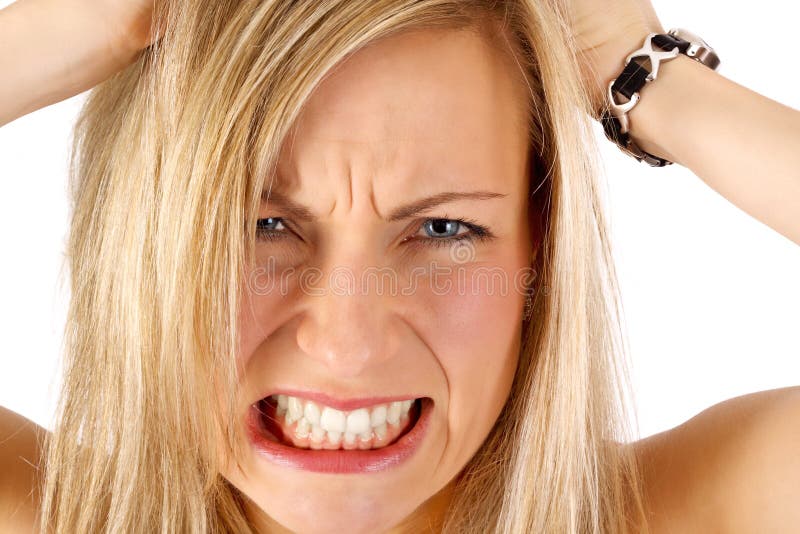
241,183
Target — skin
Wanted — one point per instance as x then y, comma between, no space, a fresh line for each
412,116
732,468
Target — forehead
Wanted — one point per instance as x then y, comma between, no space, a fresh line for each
427,109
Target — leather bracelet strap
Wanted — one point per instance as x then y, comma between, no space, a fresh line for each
632,78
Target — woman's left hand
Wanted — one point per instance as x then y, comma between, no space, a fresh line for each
607,31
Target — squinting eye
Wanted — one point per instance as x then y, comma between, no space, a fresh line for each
270,223
443,232
433,232
443,228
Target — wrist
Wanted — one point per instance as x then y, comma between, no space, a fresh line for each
608,60
660,121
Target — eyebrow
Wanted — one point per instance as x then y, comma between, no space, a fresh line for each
300,212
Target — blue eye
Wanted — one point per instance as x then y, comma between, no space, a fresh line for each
444,232
270,223
443,228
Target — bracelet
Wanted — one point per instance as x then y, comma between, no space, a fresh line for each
657,48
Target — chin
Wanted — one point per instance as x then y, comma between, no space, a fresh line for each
341,511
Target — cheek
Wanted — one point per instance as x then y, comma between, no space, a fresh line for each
252,329
261,309
476,338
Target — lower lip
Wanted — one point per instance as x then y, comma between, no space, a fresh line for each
341,461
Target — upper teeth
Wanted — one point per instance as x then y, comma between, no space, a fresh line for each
359,422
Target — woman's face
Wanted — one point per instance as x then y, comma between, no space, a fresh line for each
368,291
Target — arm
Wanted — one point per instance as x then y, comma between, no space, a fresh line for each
742,144
51,50
751,156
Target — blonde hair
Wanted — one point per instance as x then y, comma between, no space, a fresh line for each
168,163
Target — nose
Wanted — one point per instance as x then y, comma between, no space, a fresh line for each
349,329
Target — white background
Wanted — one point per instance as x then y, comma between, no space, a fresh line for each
711,296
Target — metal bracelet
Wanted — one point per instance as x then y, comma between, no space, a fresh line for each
620,109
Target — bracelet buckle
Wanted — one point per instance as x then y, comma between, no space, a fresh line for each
620,109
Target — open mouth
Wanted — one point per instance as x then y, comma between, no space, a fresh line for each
306,424
302,434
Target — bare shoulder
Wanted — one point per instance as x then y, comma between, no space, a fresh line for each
733,468
20,449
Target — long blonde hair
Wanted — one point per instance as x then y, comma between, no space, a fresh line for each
168,162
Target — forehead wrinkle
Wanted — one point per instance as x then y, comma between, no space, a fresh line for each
372,158
372,201
380,151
